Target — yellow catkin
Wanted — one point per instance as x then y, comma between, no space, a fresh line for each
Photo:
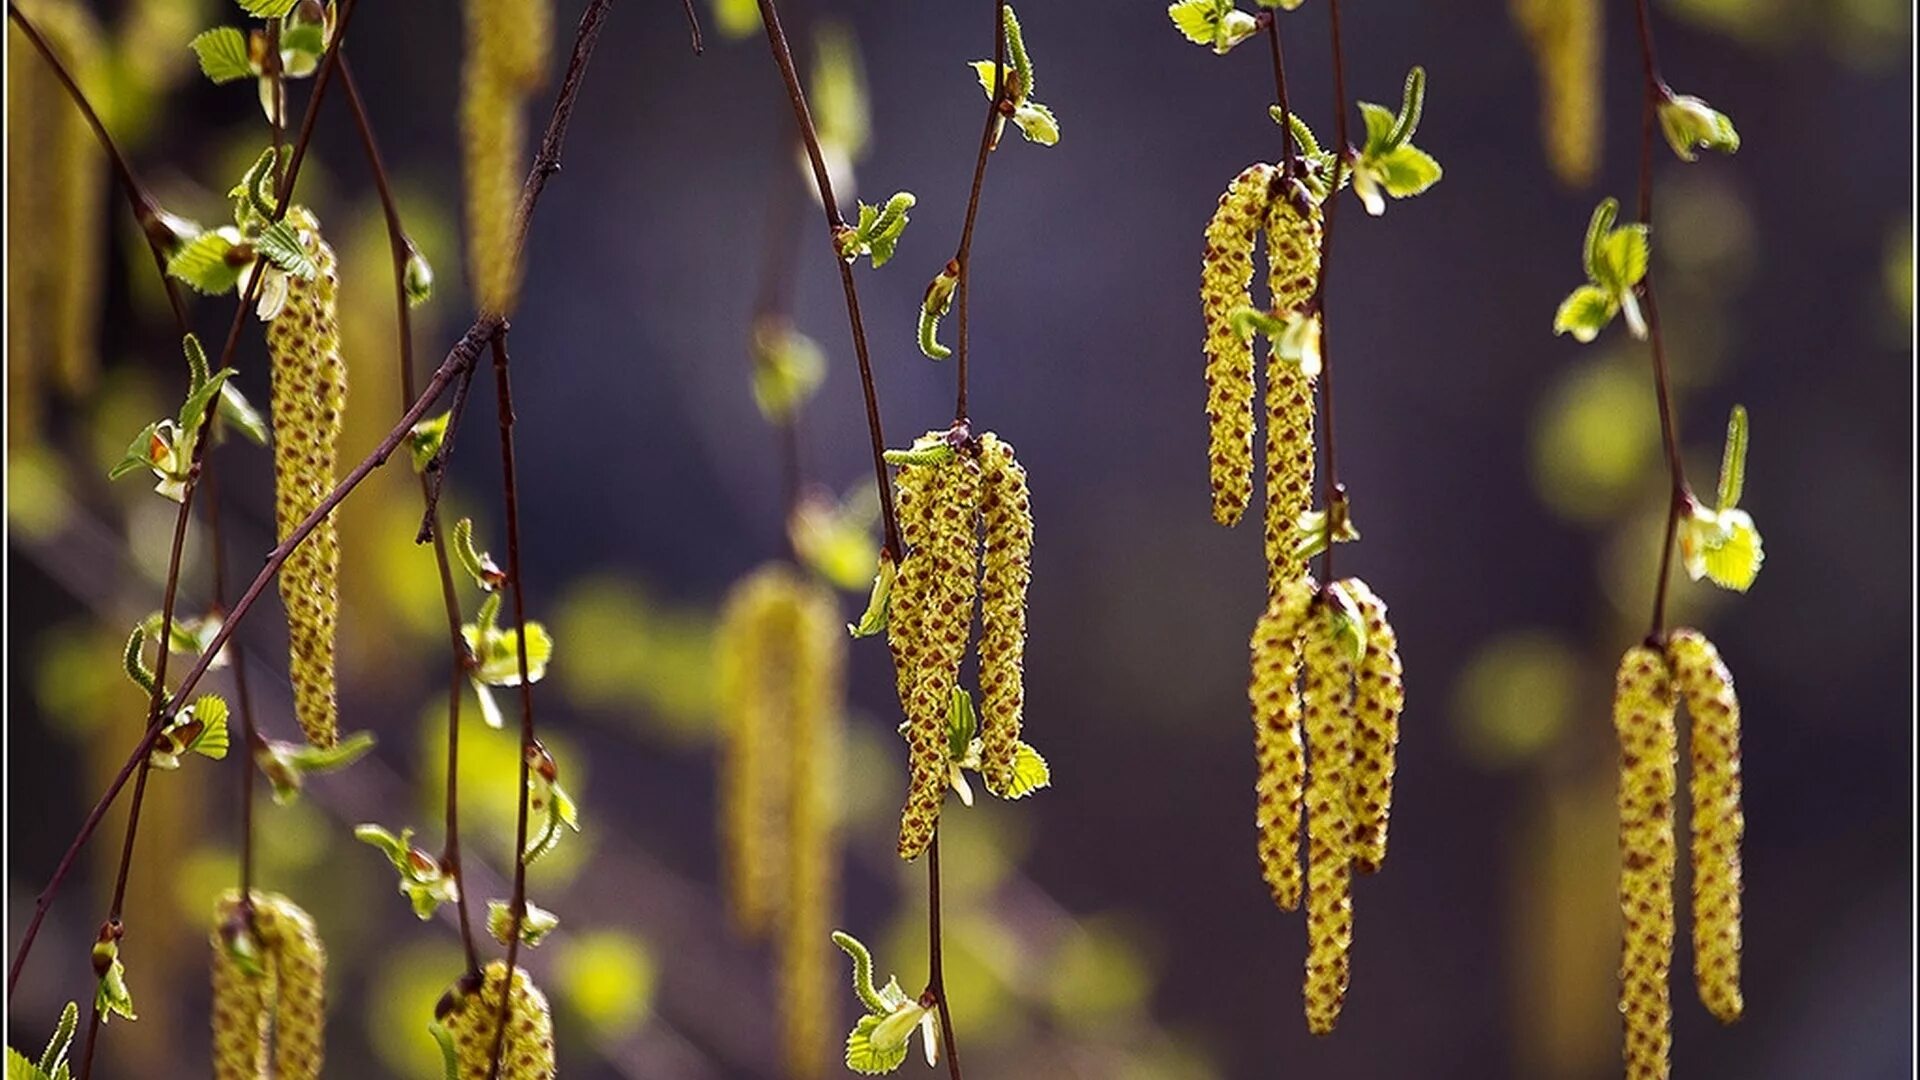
1566,40
1378,698
1293,267
753,644
309,401
946,617
283,1004
57,184
1328,720
1226,266
1643,706
1718,821
912,592
1274,693
807,965
471,1016
507,46
1006,516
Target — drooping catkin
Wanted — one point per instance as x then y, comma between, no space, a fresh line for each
1378,698
1643,707
507,46
56,186
1293,268
1328,719
1274,693
1566,40
913,504
753,645
470,1013
1226,267
952,551
806,963
1718,821
1007,527
281,1002
309,402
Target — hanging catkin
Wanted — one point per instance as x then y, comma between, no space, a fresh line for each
1718,822
1007,527
470,1013
817,691
1328,719
275,995
1565,37
1378,699
1293,268
913,592
753,647
309,402
1226,267
1643,707
507,46
1275,696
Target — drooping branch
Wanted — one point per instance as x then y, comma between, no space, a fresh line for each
963,254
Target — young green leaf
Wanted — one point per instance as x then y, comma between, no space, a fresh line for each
1691,125
211,263
235,409
534,927
267,9
1216,24
1030,772
423,442
874,619
223,54
418,280
281,246
1615,258
1389,165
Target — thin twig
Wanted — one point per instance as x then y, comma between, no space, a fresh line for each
936,972
803,119
693,27
963,255
1287,164
1336,493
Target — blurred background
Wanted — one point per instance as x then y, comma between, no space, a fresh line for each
1508,484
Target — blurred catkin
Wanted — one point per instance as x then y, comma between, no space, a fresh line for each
56,189
1643,707
818,691
1566,41
1328,709
281,1001
1293,268
507,46
470,1014
309,403
754,652
1718,821
1275,696
1378,698
1007,527
1226,268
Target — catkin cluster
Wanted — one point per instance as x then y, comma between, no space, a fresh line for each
55,193
1326,666
469,1012
507,46
269,991
944,507
309,404
1259,201
781,659
1650,686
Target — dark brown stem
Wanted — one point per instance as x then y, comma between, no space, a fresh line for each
936,972
146,210
803,119
434,477
1336,493
510,497
1654,92
401,249
963,255
1287,167
693,27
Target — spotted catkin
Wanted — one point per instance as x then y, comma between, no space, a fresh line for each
1378,698
470,1014
269,991
1643,708
507,46
1274,693
309,404
1293,268
1007,527
1226,268
1718,822
952,553
1328,720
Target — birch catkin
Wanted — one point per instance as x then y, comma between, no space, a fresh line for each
1275,696
1226,267
1293,268
1378,697
1328,707
507,46
817,690
470,1013
1007,526
309,402
1643,707
282,1001
1718,822
753,643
